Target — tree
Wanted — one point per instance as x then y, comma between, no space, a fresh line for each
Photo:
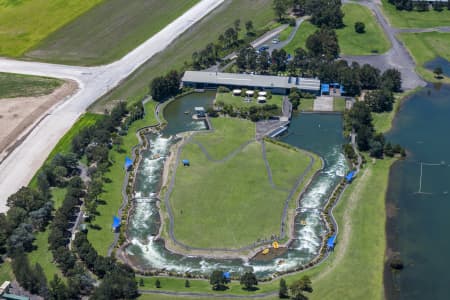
187,284
249,281
325,13
249,28
388,150
141,282
280,7
323,43
58,290
237,25
299,287
391,79
217,280
369,77
360,27
283,290
42,281
157,283
294,98
380,100
438,72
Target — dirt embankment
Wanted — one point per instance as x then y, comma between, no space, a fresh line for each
17,115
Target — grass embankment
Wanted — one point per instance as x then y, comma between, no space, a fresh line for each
415,19
425,47
202,33
306,105
102,238
109,31
284,35
372,41
16,85
350,42
23,24
339,104
299,40
232,197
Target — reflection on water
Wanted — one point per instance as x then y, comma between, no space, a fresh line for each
419,229
326,140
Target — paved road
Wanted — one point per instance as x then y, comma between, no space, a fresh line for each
20,166
397,57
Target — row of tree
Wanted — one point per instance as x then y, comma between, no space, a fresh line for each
324,13
419,5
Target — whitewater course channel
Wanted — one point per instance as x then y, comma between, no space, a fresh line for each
319,133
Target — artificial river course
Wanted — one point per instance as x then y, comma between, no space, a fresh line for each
318,133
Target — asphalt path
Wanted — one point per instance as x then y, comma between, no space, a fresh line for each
22,163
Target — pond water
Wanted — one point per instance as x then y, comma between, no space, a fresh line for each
321,134
420,188
439,62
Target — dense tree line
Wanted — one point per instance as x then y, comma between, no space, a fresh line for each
359,120
419,5
164,87
118,280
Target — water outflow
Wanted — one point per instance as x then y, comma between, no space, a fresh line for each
148,253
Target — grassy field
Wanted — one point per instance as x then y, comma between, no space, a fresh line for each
202,33
415,19
299,40
352,43
286,33
228,135
44,256
102,238
339,104
6,273
425,47
306,105
238,101
108,31
16,85
23,24
200,199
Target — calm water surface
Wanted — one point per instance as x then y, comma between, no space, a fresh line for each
419,187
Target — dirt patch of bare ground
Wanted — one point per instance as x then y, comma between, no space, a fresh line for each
18,115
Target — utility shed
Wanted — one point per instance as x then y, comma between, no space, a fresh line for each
331,242
350,176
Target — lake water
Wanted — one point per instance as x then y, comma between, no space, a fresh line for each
321,134
420,189
439,62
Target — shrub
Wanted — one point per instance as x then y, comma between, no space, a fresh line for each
223,89
360,27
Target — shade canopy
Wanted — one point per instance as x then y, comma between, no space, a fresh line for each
331,241
262,98
128,163
237,91
262,93
249,93
116,222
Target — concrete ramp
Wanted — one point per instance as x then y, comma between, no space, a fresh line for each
323,103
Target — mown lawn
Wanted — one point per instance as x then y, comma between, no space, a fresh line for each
202,33
284,35
306,105
299,40
229,134
43,255
6,273
415,19
339,104
23,24
103,237
372,41
284,163
232,197
425,47
109,31
16,85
